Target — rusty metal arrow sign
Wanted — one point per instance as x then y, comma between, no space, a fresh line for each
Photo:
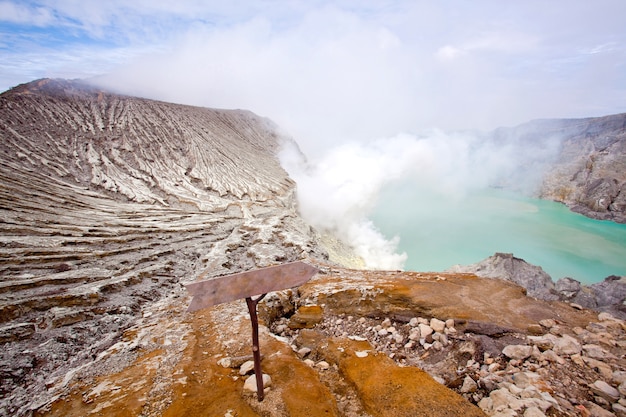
257,282
247,284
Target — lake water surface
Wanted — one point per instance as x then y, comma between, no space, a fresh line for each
438,232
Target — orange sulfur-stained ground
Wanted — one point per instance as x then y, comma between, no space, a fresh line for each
187,364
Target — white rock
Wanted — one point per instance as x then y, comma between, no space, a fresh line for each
566,345
525,379
450,330
383,332
469,385
533,412
450,323
425,330
413,322
246,367
437,325
309,362
595,351
550,356
493,367
619,376
518,352
415,334
250,384
386,323
225,362
361,353
439,380
602,368
514,389
304,351
544,342
619,409
323,365
502,398
605,391
605,316
548,323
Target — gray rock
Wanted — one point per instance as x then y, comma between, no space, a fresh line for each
506,266
518,352
566,345
567,287
610,294
605,391
469,385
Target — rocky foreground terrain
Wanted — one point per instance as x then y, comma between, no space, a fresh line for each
111,204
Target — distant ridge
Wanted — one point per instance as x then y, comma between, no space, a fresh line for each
589,171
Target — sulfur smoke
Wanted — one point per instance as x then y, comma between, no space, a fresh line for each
338,191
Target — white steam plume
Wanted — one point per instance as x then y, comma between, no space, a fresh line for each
339,191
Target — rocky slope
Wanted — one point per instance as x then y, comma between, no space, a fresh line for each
588,170
111,204
606,296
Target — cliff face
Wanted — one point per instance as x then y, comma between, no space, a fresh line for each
588,173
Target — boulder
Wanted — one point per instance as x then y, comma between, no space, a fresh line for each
566,345
518,352
604,390
250,384
505,266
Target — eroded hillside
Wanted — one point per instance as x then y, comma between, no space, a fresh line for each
109,204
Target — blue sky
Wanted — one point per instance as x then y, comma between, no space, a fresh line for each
332,71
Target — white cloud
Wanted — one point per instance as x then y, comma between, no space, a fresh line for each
449,52
20,13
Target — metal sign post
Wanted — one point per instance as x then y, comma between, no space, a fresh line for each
257,282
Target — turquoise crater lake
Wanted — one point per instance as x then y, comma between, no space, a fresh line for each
438,232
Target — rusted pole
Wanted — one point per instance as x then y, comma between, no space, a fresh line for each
256,350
